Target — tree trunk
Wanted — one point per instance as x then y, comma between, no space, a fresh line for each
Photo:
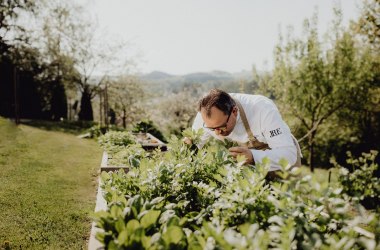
101,108
311,150
124,118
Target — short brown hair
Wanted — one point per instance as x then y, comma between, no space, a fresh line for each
216,98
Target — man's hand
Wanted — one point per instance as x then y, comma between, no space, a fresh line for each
235,151
187,141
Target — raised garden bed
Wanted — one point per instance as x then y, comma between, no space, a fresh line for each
147,141
105,167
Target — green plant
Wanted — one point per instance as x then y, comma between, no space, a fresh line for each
361,183
204,199
113,141
149,127
96,131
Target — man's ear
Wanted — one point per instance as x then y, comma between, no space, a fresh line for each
235,110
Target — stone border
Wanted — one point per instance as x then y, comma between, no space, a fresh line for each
101,204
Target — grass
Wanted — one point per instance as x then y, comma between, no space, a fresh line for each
47,188
73,127
322,175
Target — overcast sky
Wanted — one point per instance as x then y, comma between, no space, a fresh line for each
184,36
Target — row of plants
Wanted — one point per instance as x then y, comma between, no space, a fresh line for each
145,126
189,198
122,148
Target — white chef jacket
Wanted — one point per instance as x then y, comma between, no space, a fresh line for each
266,125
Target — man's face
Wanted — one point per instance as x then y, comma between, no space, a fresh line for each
219,122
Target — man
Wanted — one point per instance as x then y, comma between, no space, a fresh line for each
253,121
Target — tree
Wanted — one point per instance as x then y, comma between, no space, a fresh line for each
368,23
176,111
367,30
11,37
79,57
35,50
58,24
9,13
66,47
313,83
125,97
96,61
359,123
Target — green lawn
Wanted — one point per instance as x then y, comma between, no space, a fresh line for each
47,188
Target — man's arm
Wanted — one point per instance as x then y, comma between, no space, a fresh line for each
278,137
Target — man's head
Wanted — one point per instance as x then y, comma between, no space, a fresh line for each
219,112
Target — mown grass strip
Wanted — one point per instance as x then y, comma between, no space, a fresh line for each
47,188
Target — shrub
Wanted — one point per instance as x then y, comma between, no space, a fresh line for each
114,141
362,182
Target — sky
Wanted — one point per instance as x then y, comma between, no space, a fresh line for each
187,36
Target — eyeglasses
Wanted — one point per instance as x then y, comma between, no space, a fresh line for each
224,126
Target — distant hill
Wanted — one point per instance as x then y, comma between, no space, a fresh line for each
156,75
197,76
207,76
160,83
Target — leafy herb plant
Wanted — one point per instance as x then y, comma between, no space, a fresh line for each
204,199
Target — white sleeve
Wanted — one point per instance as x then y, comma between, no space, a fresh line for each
198,124
279,139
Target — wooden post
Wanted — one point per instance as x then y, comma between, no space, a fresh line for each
329,176
101,107
70,106
106,106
